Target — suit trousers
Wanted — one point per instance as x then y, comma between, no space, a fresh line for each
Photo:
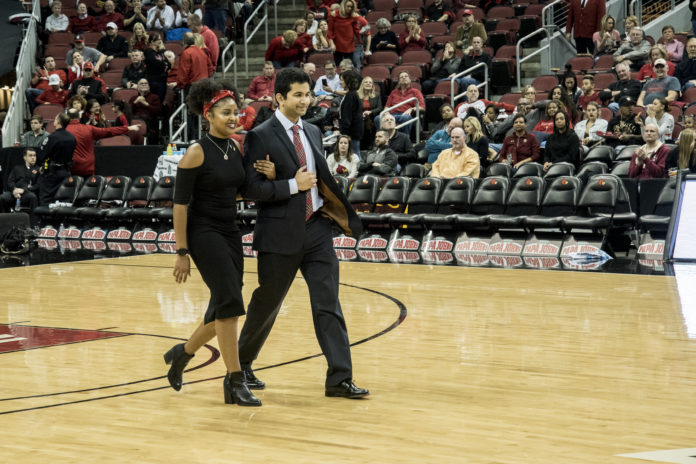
319,266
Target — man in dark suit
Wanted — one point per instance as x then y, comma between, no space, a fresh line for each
296,212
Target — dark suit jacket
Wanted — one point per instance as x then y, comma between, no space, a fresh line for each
280,221
351,119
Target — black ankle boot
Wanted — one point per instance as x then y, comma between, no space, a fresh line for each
178,358
237,391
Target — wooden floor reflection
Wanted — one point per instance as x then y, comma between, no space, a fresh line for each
488,366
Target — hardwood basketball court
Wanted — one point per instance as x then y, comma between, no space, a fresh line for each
464,365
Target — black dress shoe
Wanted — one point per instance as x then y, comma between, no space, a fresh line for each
237,391
252,381
178,358
346,389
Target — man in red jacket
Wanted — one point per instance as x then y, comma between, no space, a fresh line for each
83,157
209,37
584,18
83,22
193,63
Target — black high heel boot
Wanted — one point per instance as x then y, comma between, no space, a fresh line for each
237,391
178,358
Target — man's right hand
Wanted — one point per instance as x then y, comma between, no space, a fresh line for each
305,179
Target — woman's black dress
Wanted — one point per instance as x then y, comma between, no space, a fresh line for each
214,240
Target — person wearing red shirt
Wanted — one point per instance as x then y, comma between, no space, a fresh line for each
83,22
246,119
211,40
407,111
109,16
54,95
146,106
344,28
261,87
300,27
413,37
285,51
39,83
648,161
193,63
520,147
589,94
83,157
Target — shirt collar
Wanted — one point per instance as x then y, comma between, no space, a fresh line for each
287,124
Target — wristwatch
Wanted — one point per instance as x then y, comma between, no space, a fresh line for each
182,251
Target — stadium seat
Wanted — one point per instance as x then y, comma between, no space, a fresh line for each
545,83
48,111
590,169
489,199
112,79
455,198
421,200
621,169
626,153
89,194
416,72
116,141
601,192
414,171
161,197
433,28
604,63
529,169
343,183
114,194
560,199
603,80
602,153
580,63
391,199
524,200
137,196
384,58
66,193
659,219
383,5
363,196
559,169
499,169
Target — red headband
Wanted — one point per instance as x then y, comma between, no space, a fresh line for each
218,96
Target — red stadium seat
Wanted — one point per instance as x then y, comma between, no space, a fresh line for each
689,95
123,94
176,47
373,16
604,63
398,28
501,12
414,71
581,63
56,38
602,80
320,59
384,5
544,83
605,113
434,28
91,38
384,58
108,110
112,79
49,111
510,98
117,141
117,64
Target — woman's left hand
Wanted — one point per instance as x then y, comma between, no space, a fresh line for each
266,167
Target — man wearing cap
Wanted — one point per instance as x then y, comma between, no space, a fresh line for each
625,86
55,95
635,51
662,86
113,45
469,29
88,87
110,15
90,54
624,125
39,83
82,22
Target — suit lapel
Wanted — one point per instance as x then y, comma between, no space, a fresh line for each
279,129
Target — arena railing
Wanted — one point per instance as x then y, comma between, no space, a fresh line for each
415,120
248,36
454,97
232,63
542,48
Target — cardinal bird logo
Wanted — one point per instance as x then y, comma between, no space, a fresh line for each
396,181
494,182
564,181
70,179
167,180
117,181
460,182
601,182
426,183
142,181
93,180
529,182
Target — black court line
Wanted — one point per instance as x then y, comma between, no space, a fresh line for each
403,312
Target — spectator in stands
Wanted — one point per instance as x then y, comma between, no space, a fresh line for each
245,122
381,160
469,29
563,144
500,129
403,91
569,84
261,87
584,18
413,37
629,23
442,68
36,137
385,39
662,86
458,161
350,109
624,125
343,161
320,10
312,23
157,66
440,12
82,22
57,22
520,147
399,142
475,56
89,54
674,47
625,86
88,86
124,116
363,43
85,136
78,103
446,115
183,14
560,95
683,156
113,45
329,85
475,139
320,41
492,113
173,73
110,15
372,106
544,127
656,113
135,15
140,40
607,39
55,94
215,15
473,102
23,186
656,52
40,80
648,161
343,30
300,28
93,115
193,63
346,65
161,17
284,51
146,106
440,140
686,69
588,93
635,51
211,40
587,129
134,71
310,69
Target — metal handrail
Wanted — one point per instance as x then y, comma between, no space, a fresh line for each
184,123
226,66
415,120
454,97
547,13
248,37
546,47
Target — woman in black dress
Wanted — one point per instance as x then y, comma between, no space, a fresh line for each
207,181
156,66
